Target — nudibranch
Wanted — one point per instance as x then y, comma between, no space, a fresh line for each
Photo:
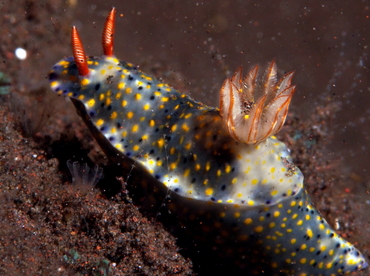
229,179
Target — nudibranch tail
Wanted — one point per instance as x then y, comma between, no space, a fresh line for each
108,34
253,112
79,53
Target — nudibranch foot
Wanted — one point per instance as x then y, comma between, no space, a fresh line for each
230,182
253,112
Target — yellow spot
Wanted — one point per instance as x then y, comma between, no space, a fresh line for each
160,142
81,97
272,224
99,122
91,103
234,180
239,195
124,103
118,95
108,101
146,107
308,217
272,170
128,90
187,116
208,166
293,203
164,99
274,192
136,148
185,127
85,82
276,214
151,123
258,229
228,168
121,85
236,215
218,173
294,216
248,170
254,181
293,241
137,97
118,146
303,261
187,172
130,114
54,83
309,233
300,222
135,128
188,146
250,202
197,167
303,246
173,128
222,214
113,115
173,165
113,130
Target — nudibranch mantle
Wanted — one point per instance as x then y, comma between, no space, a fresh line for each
227,158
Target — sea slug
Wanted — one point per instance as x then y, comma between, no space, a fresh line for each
229,179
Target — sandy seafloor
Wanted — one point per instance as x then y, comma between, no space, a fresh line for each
49,226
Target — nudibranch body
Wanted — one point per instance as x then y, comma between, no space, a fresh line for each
225,170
